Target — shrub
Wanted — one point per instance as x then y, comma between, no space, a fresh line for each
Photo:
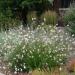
8,21
36,55
69,16
32,19
49,17
71,28
69,19
47,44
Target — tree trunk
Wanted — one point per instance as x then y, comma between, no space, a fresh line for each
57,5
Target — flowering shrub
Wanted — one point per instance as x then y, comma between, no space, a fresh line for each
44,48
35,55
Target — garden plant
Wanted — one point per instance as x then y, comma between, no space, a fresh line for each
43,48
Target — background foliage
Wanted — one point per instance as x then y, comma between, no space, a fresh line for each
19,9
69,19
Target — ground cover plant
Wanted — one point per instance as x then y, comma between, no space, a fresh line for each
49,44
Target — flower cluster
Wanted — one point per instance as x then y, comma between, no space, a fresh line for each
43,47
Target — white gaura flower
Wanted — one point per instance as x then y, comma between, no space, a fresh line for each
44,19
15,72
9,46
60,69
32,19
52,30
68,25
24,67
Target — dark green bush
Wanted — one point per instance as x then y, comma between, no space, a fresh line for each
49,17
20,8
8,21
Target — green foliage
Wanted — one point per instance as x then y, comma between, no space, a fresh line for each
45,47
69,18
7,17
31,16
71,28
33,3
7,22
35,55
32,19
9,8
50,17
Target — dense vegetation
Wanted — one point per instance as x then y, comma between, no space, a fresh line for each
21,47
19,9
69,19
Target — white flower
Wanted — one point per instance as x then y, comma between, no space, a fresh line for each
9,46
44,19
60,69
68,25
15,72
24,67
